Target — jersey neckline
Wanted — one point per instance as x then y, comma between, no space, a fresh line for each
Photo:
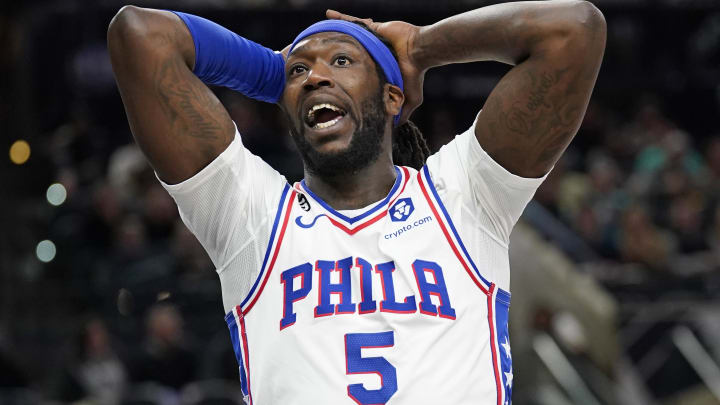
400,179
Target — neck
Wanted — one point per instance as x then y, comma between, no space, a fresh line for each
356,190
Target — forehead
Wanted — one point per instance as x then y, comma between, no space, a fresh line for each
323,40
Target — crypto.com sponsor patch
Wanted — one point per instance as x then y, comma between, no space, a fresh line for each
408,227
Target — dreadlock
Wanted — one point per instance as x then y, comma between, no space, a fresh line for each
409,147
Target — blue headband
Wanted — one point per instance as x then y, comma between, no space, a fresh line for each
379,52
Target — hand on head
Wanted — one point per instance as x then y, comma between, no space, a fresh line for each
402,36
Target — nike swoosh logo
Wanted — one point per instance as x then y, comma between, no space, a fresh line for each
299,222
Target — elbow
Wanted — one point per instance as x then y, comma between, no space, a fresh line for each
575,27
590,17
588,24
130,27
126,19
129,40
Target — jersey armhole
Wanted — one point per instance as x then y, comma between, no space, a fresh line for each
449,230
273,246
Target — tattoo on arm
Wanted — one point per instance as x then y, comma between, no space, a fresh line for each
555,48
176,119
193,126
528,134
184,104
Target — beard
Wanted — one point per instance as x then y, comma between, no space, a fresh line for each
363,150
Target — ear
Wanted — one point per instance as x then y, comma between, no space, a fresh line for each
394,99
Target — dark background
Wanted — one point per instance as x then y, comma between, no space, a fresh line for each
633,207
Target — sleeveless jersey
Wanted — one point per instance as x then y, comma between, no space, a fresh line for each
396,303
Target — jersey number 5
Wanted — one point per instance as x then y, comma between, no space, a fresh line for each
356,364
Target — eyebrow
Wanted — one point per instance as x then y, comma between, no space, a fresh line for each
343,39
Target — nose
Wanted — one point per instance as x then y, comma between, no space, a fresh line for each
319,76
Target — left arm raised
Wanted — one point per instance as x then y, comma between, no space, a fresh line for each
533,113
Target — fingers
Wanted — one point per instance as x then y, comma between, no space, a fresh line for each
336,15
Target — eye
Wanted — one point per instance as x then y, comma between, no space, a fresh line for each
342,60
296,69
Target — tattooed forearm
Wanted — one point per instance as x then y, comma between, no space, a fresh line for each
540,87
184,104
528,136
176,119
536,109
538,114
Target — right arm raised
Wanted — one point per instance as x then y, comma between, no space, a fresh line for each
176,119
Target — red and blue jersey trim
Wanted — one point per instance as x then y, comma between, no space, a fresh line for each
270,243
235,319
497,369
360,217
271,253
236,323
497,317
503,359
448,228
370,216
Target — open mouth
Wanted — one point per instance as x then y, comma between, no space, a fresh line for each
324,115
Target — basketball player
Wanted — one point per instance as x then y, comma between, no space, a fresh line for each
383,276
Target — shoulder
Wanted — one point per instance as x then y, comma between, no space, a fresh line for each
464,159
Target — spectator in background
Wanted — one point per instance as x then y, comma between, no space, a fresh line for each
686,214
640,241
645,129
94,373
672,149
607,198
165,357
79,147
106,211
592,200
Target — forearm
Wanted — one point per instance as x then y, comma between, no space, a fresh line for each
533,113
509,33
224,58
176,119
163,62
214,54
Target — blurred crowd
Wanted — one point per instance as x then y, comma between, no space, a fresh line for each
646,191
139,291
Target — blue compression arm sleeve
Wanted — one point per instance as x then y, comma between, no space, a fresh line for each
226,59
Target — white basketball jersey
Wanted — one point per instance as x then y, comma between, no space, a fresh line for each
391,304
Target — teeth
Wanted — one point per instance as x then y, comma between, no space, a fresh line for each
327,124
324,105
311,113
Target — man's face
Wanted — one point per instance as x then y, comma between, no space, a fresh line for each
334,104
